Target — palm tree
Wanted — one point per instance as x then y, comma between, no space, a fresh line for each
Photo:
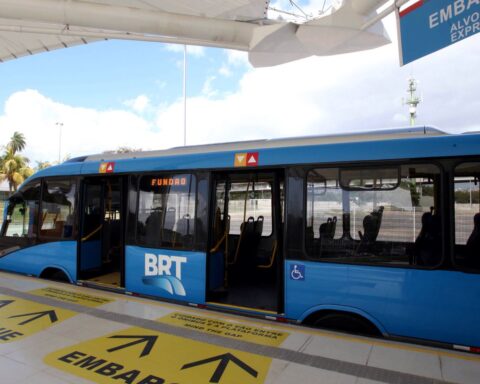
14,168
17,142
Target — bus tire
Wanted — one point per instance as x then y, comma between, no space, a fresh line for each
55,274
345,322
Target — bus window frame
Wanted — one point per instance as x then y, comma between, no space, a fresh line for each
272,205
50,239
139,177
442,208
451,183
20,242
19,193
360,189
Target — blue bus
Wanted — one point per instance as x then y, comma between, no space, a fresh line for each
376,232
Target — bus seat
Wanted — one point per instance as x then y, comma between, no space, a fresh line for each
247,230
169,222
327,233
258,226
473,245
371,228
327,230
183,235
248,227
183,225
153,224
427,251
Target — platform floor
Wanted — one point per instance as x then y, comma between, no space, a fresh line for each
57,333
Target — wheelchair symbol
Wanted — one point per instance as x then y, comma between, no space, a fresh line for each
296,273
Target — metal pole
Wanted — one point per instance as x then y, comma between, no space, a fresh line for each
184,95
60,125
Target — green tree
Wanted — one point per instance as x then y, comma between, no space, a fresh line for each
13,166
17,142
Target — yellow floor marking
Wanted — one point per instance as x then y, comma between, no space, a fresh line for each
142,356
71,296
20,318
293,328
237,330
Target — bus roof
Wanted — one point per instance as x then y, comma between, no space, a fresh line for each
384,145
385,134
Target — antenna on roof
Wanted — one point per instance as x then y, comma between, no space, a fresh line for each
413,100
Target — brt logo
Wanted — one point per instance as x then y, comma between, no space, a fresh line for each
165,272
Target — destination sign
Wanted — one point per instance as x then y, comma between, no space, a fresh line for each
430,25
168,181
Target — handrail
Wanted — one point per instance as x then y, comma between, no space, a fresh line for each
224,237
242,226
92,233
272,259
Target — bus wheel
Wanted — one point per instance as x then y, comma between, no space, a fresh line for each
55,274
346,322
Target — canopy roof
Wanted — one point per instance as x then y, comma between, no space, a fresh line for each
31,26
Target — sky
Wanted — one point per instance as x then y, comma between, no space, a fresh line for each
102,96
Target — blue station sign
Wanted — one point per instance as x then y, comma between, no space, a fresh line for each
429,25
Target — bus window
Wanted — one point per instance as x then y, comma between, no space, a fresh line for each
382,216
58,209
253,200
22,212
166,211
467,215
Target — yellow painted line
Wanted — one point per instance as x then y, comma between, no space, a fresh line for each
70,296
138,355
232,330
21,318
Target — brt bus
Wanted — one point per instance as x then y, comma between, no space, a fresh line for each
377,233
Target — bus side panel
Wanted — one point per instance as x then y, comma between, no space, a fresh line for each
424,304
33,260
174,275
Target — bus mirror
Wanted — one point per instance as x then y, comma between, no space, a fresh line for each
371,179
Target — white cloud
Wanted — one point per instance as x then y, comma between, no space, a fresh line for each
207,89
225,71
140,104
84,131
235,61
237,58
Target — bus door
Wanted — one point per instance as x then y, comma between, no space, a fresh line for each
101,249
245,267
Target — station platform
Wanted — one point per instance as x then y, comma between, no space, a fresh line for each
58,333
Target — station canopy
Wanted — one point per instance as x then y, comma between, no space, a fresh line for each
31,26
